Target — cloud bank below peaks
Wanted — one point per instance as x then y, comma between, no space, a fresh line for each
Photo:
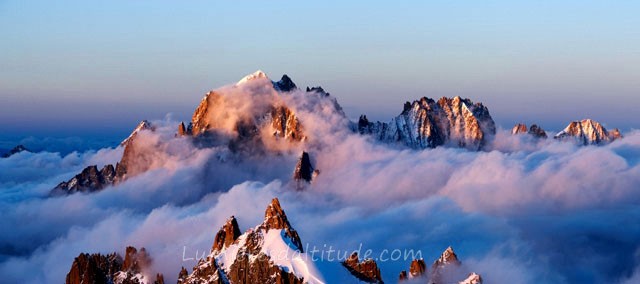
522,210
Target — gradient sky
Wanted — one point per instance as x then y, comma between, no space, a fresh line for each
96,68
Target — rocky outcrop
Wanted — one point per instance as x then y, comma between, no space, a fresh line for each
304,171
138,155
285,124
472,279
444,266
366,270
260,270
248,258
285,84
15,150
135,160
426,123
89,180
184,130
276,219
448,257
520,128
403,276
98,268
446,269
534,130
417,269
318,90
143,125
94,268
537,131
588,132
228,234
218,111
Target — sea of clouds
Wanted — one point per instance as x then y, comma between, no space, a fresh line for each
522,211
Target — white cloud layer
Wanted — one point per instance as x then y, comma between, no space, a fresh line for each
527,211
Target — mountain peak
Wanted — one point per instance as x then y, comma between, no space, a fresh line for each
534,130
588,132
143,125
16,150
261,255
285,84
228,234
255,75
111,268
473,278
304,170
276,219
274,216
366,270
447,257
425,123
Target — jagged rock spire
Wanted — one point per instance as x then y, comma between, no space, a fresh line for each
304,170
285,84
184,130
276,219
534,130
98,268
89,180
520,128
537,131
417,268
228,234
143,125
447,257
366,270
286,124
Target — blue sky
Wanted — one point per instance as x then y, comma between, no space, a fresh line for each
96,68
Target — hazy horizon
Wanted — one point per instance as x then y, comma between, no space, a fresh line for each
82,69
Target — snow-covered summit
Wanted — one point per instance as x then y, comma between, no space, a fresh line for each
255,75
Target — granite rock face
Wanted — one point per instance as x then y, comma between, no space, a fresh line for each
426,123
588,132
446,269
249,258
366,270
227,235
534,130
304,171
135,160
261,109
89,180
111,268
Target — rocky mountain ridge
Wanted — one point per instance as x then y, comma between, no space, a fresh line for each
15,150
132,163
426,123
366,270
255,114
443,270
535,130
271,252
112,269
588,132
